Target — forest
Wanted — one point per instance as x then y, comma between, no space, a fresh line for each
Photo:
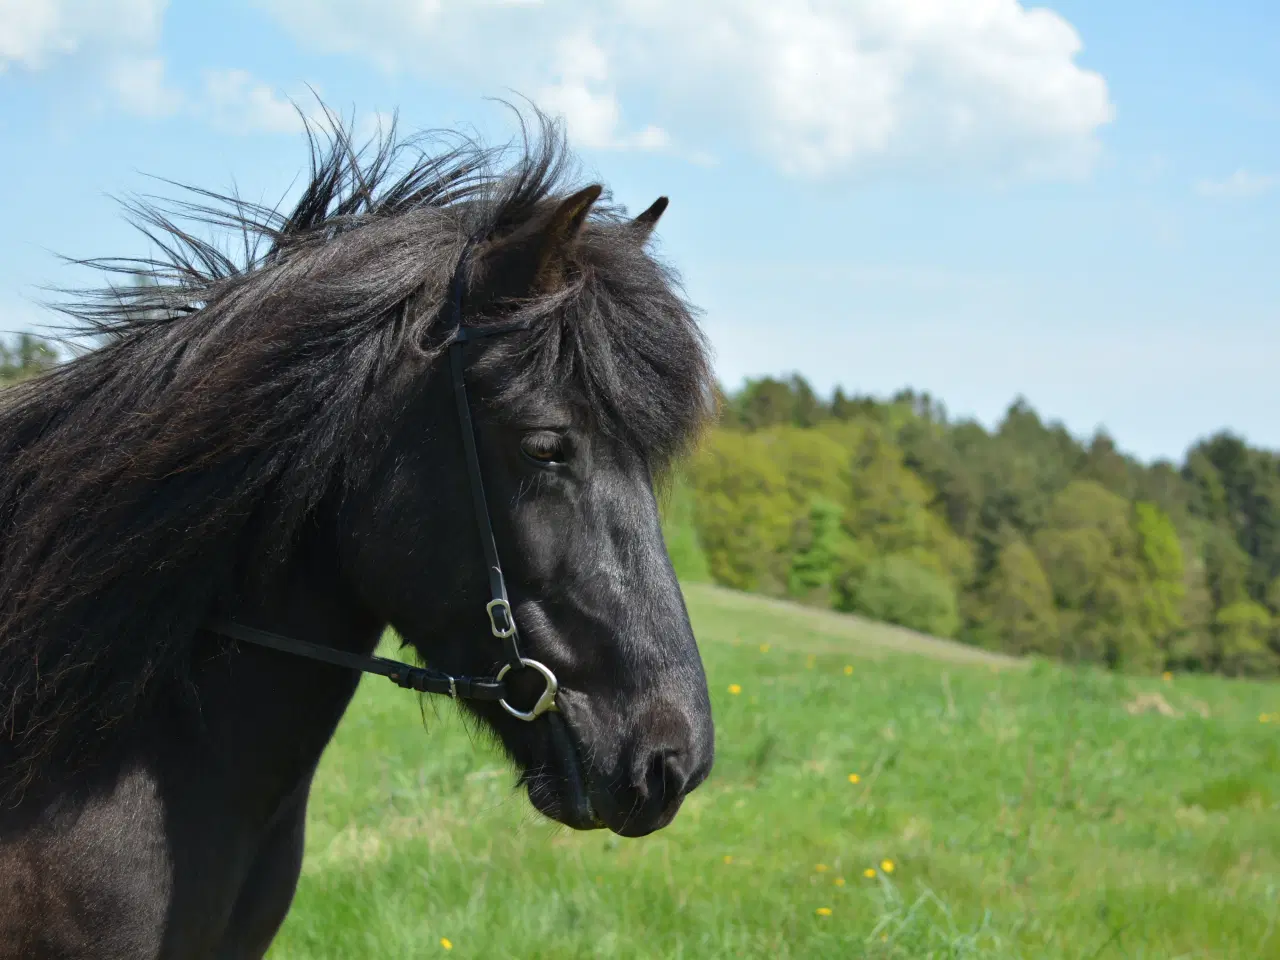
1021,539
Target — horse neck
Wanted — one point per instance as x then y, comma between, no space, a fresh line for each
267,716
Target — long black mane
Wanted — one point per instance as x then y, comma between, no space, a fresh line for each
144,481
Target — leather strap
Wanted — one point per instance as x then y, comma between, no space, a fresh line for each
422,679
501,620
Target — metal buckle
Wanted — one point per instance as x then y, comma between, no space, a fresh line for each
500,632
453,688
545,703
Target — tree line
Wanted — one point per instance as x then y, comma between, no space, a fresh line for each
1021,539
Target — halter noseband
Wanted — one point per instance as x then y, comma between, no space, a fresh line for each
498,610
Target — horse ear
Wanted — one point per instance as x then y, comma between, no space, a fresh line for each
531,261
644,223
565,224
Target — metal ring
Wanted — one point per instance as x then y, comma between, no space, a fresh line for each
545,702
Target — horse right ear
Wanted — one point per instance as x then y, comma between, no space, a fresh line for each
644,223
532,261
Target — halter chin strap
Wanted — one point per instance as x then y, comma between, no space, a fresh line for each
502,621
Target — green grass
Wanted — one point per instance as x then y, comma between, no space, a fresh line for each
1028,811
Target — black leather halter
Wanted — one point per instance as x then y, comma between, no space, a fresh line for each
501,620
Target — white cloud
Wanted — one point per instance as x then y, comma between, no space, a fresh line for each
115,43
238,103
583,95
139,85
1242,183
821,87
113,40
34,32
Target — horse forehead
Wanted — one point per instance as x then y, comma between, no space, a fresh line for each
551,405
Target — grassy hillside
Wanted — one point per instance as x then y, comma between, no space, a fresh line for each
876,793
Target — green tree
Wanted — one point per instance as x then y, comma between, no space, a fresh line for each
1242,632
1104,464
1192,647
897,589
806,409
842,408
1164,569
680,531
929,452
1238,489
1092,556
814,464
766,402
1162,484
821,551
891,510
1015,610
1226,566
744,513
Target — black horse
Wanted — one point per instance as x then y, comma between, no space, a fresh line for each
272,440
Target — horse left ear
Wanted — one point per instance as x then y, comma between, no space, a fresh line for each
561,233
532,261
644,223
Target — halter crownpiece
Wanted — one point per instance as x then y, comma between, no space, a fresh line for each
502,622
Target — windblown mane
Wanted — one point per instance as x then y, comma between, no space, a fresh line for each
143,481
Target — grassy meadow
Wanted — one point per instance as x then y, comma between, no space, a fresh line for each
876,794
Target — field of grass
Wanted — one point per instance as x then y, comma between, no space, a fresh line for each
875,794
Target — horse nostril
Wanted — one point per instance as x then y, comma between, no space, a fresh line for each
660,777
665,777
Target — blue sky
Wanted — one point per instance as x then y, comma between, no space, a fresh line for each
1079,204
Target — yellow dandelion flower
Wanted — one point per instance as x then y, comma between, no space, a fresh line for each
809,662
764,648
820,867
838,881
735,689
848,669
446,943
1263,718
886,866
1166,676
869,872
728,858
823,911
854,778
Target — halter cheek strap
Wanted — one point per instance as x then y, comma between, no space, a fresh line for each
498,610
501,621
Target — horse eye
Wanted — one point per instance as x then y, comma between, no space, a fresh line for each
544,448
